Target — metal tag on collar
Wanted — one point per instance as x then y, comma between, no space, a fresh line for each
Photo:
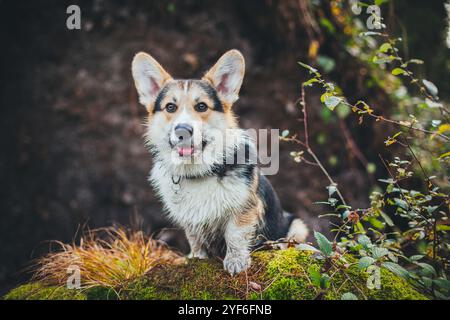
176,184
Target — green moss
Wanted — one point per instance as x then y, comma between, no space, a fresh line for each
280,274
41,291
284,288
287,269
101,293
394,288
143,290
38,291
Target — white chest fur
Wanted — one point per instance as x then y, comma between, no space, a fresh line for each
200,204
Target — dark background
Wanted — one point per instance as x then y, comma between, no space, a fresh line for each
72,153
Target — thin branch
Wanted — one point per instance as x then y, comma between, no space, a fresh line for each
307,146
381,118
305,117
409,73
430,184
398,123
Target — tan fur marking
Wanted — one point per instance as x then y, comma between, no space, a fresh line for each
255,180
255,213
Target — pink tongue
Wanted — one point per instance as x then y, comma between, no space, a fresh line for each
185,151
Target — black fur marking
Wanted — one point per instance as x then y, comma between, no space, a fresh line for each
243,169
209,90
212,93
246,173
160,97
276,223
153,151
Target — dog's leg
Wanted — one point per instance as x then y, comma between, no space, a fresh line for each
196,244
238,240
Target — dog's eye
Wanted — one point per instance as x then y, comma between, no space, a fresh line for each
201,107
171,107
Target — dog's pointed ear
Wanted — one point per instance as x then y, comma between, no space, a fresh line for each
149,77
227,75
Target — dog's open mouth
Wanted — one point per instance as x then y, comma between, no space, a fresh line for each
188,151
185,151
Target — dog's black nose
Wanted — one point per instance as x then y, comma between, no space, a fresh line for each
184,131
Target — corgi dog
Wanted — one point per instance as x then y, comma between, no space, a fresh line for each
225,205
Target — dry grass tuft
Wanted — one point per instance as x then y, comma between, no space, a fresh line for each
109,257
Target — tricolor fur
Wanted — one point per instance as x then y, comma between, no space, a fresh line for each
225,207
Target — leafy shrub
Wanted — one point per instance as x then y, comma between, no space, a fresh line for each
419,252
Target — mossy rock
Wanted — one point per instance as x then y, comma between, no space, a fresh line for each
274,274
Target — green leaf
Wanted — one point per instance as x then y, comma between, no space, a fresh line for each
308,67
343,110
364,241
324,281
387,219
398,71
387,180
443,128
383,59
440,296
444,155
349,296
397,134
427,282
325,245
385,47
314,275
327,64
376,223
416,257
332,201
365,262
342,206
443,283
427,270
416,61
401,203
374,278
377,252
310,82
359,227
431,209
393,257
380,2
431,87
328,25
371,167
332,101
396,269
345,214
370,33
331,190
443,227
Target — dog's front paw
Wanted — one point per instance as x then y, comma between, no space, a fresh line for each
236,262
199,255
